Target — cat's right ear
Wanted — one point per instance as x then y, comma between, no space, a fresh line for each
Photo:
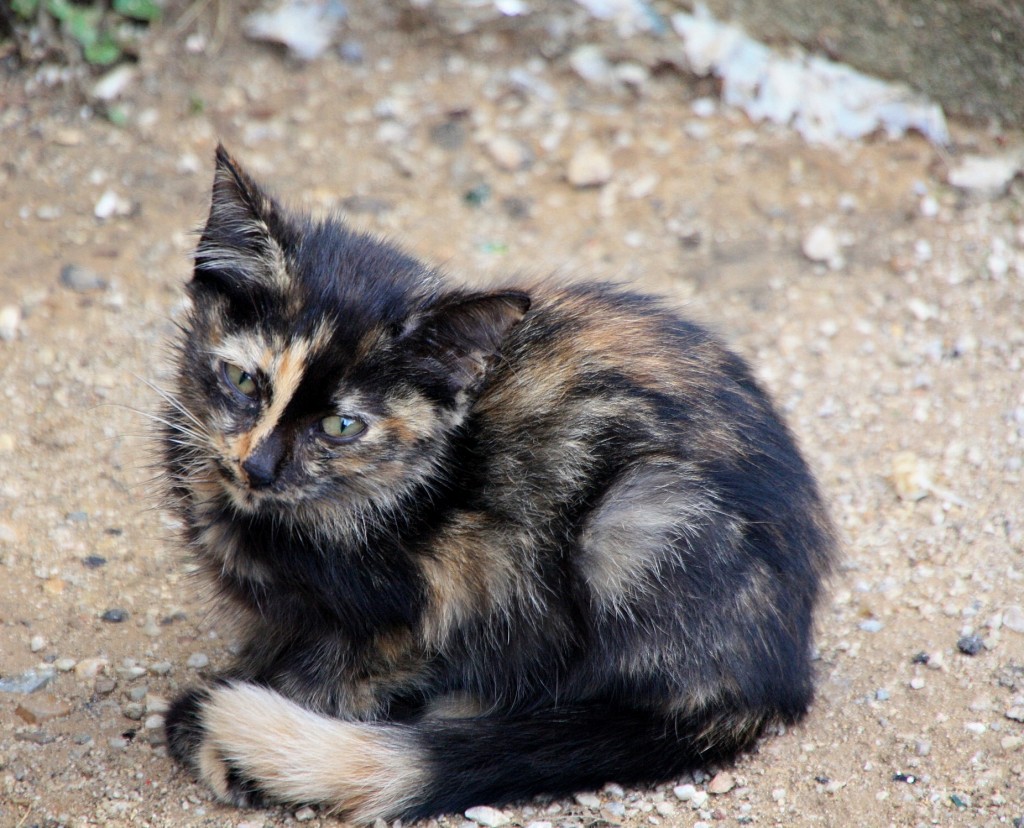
241,245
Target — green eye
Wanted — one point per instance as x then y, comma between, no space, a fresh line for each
238,379
342,428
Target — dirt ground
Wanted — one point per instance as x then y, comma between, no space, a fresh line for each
900,367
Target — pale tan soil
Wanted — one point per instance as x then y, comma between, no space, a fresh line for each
914,345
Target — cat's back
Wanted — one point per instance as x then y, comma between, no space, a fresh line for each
594,361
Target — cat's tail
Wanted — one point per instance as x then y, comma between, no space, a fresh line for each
251,740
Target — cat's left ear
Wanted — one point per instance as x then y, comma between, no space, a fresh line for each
459,339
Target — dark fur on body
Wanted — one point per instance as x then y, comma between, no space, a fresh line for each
574,543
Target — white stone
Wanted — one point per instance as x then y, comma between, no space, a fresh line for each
10,321
197,661
304,814
699,799
91,667
37,643
821,244
116,81
722,783
508,153
485,815
589,167
684,793
1013,618
985,176
589,62
589,800
110,204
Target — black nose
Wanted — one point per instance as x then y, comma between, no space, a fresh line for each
261,467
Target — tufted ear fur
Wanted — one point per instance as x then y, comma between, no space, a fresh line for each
242,244
456,341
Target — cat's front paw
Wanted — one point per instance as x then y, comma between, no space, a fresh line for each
189,741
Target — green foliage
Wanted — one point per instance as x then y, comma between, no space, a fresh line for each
25,8
144,10
100,28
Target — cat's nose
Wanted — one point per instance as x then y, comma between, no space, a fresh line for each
261,466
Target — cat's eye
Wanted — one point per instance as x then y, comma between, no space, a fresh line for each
240,380
342,428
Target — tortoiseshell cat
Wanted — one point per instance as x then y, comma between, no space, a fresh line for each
481,545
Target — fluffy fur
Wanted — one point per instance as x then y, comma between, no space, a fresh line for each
480,545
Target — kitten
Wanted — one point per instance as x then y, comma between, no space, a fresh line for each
481,545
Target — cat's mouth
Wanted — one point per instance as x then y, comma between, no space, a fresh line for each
243,494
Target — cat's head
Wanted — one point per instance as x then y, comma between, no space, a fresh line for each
318,367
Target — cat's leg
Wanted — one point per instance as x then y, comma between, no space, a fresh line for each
255,740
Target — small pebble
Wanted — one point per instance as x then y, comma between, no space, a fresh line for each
589,167
10,321
721,783
93,561
822,245
977,728
139,693
154,721
684,793
111,204
911,476
916,683
666,809
352,52
36,737
117,743
485,815
133,711
1013,618
80,279
160,668
881,694
114,83
37,643
65,665
1011,743
197,661
699,799
42,708
304,814
115,615
872,625
970,645
985,176
104,686
508,153
1016,713
589,800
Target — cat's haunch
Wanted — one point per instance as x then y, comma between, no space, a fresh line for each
478,545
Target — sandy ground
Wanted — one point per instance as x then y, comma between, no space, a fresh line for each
900,367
